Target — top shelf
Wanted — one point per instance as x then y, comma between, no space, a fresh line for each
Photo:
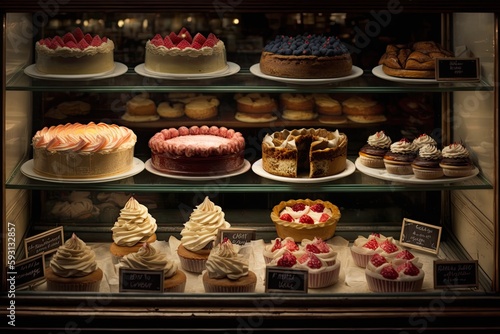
243,81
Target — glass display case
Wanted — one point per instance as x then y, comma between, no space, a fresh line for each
463,210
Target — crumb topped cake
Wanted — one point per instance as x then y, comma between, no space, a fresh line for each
197,151
180,53
306,56
75,53
315,152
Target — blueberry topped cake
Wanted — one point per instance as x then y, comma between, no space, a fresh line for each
306,57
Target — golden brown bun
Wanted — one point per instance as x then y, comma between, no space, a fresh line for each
141,105
416,60
362,105
202,107
333,119
295,101
326,105
260,103
298,115
171,109
255,118
367,118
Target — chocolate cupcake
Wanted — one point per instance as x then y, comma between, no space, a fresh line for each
456,161
400,156
426,164
372,153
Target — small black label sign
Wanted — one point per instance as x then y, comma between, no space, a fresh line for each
46,242
422,236
141,280
238,236
279,279
457,69
28,271
455,274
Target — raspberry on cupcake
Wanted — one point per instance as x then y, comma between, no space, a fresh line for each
363,248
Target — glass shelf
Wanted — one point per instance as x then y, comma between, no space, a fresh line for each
248,182
243,81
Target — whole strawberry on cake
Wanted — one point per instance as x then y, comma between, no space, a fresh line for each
180,53
74,53
306,56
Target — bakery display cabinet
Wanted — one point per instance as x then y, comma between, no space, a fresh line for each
461,289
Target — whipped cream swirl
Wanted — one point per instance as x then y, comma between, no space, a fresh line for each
380,140
148,258
73,259
203,225
455,150
424,139
429,152
404,146
224,261
134,224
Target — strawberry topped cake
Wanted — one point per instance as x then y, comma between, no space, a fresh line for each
305,219
197,151
181,53
394,274
75,53
278,247
364,248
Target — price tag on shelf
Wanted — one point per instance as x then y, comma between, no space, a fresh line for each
237,236
46,242
279,279
28,271
455,274
422,236
141,280
457,69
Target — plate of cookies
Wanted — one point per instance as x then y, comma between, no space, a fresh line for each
355,72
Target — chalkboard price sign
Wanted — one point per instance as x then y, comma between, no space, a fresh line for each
457,69
279,279
28,271
141,280
45,242
237,236
455,274
422,236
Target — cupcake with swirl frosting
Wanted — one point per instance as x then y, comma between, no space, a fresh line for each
456,161
73,268
400,156
372,154
148,258
227,270
199,234
132,229
424,139
426,164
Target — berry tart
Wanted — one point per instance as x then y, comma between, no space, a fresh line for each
180,53
278,247
75,53
305,219
385,274
321,249
306,57
363,248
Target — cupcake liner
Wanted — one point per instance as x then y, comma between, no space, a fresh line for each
383,285
229,289
193,265
361,260
427,174
241,285
399,169
371,162
325,278
177,288
457,172
89,287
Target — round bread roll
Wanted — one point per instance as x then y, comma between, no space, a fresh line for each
298,115
202,107
74,108
326,105
292,101
367,118
255,118
171,109
333,119
141,105
362,105
259,103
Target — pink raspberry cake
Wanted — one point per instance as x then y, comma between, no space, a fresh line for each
322,250
278,247
180,53
363,248
305,219
75,53
398,274
197,151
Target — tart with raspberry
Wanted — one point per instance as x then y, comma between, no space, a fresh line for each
75,53
394,274
305,219
364,248
182,53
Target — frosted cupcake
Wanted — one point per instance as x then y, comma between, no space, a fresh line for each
426,164
133,228
73,268
456,161
400,156
322,250
199,234
393,275
227,271
424,139
148,258
364,248
372,154
278,247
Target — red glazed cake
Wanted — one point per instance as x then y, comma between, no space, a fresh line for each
75,53
183,54
197,151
